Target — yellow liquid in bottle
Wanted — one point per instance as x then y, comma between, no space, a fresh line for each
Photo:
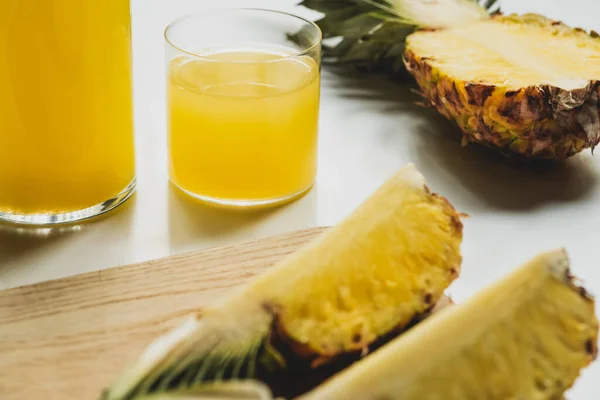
66,123
243,125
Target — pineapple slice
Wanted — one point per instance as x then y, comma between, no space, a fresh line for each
381,268
526,85
525,337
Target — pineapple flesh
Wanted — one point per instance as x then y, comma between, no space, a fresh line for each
383,267
525,337
526,85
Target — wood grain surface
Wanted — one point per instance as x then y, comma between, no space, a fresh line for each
67,339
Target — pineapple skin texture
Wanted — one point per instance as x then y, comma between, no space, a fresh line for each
535,122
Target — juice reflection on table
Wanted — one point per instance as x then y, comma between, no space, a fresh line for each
243,124
66,127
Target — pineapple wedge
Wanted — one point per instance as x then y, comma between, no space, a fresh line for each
384,266
524,85
525,337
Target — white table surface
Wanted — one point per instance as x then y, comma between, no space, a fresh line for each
367,132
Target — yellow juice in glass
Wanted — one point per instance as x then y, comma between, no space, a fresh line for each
243,125
66,126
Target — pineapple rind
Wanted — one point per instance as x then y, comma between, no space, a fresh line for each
391,273
527,336
540,121
382,267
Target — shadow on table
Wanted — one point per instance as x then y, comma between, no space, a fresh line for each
194,225
393,92
496,180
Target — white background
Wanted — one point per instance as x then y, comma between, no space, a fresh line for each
369,129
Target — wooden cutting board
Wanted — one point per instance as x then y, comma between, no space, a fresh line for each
67,339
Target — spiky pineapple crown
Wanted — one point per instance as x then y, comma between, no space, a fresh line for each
372,32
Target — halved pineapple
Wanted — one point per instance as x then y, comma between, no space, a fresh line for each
381,268
525,337
524,84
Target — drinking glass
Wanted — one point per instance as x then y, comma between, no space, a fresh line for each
66,115
243,88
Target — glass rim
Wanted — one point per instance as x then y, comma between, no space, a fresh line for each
299,53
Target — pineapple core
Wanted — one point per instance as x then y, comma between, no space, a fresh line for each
510,54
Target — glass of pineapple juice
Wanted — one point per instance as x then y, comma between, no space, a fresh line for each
243,91
66,109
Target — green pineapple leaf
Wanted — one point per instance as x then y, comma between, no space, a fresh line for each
370,33
206,355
